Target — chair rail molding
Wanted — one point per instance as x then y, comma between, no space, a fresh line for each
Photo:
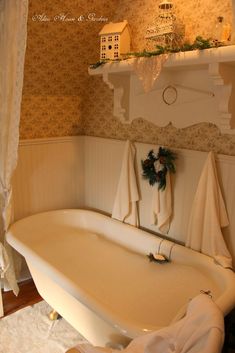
193,87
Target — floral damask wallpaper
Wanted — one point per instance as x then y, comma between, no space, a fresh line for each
62,41
60,98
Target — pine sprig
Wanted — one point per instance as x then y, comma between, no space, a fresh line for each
102,62
167,157
149,171
97,64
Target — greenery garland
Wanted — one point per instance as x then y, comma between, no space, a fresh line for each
166,159
198,44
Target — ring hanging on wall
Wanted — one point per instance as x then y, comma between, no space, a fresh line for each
169,95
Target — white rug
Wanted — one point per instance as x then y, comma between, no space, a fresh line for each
29,330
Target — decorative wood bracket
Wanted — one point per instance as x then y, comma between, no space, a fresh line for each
220,74
204,82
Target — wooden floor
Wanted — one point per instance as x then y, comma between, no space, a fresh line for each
28,295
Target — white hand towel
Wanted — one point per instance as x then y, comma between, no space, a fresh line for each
207,217
200,331
125,204
161,209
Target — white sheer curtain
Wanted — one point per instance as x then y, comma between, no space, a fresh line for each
13,33
233,21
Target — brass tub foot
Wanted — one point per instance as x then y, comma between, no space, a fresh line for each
53,315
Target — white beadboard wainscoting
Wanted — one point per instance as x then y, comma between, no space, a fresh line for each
83,171
103,158
49,175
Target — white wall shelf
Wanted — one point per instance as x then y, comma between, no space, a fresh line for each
204,83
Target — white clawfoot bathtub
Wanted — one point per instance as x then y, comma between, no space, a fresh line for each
94,271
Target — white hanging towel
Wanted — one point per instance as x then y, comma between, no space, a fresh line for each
208,215
125,204
161,208
200,331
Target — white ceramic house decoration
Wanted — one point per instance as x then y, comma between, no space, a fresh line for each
114,40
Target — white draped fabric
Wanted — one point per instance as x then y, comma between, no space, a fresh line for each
125,204
148,70
208,216
161,208
13,34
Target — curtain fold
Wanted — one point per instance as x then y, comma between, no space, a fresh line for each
13,35
233,22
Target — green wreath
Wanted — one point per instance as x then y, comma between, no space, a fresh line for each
166,160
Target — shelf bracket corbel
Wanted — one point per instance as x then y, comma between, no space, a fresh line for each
106,77
117,86
223,93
